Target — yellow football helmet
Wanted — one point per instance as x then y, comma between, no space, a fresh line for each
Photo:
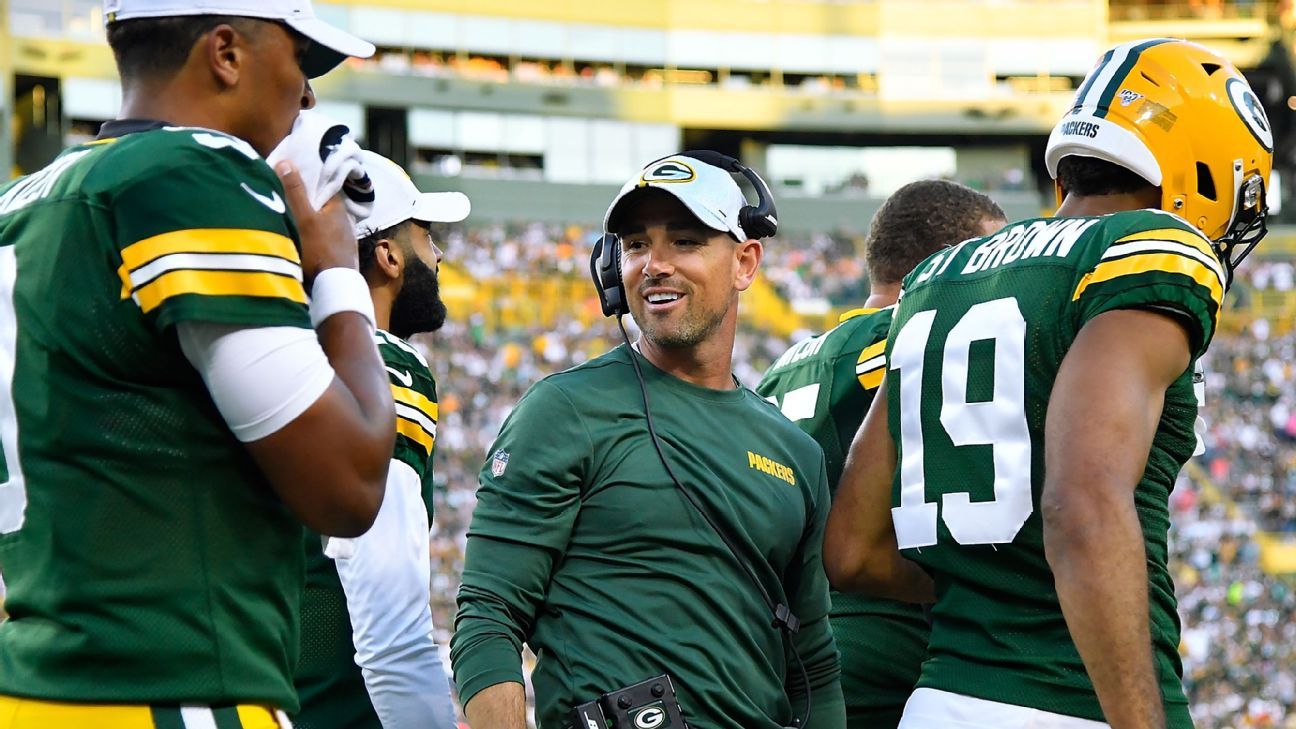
1183,118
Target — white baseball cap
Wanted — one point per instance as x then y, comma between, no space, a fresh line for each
396,199
331,45
707,191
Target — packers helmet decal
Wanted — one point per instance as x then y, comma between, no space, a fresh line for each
1251,110
1183,118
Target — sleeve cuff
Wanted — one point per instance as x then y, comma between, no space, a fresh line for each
489,663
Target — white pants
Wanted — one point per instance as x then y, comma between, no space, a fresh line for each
934,709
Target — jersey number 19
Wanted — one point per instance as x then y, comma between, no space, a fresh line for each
999,422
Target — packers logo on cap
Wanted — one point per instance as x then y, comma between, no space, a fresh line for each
669,171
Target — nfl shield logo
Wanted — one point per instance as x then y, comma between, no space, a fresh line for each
499,462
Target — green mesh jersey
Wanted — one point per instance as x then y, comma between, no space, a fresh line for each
825,385
147,558
329,683
978,337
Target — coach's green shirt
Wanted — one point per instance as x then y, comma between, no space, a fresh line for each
329,683
825,385
153,563
979,335
581,547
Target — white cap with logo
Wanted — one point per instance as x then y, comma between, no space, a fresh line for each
331,45
396,199
709,192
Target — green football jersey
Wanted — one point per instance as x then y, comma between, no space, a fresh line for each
979,335
329,683
825,385
148,559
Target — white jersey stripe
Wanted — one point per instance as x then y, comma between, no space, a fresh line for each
213,262
416,416
1166,246
871,364
197,717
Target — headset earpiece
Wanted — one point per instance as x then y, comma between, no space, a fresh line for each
759,220
605,269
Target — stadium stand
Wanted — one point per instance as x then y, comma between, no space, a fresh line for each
538,109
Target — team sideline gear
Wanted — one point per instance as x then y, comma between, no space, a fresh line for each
979,335
1183,118
582,547
368,604
331,45
260,379
179,570
825,385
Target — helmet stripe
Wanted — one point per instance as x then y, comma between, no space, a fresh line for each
1118,76
1093,76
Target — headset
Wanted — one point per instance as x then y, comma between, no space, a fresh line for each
757,221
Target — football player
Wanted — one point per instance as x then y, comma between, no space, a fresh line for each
171,409
825,384
366,621
1039,405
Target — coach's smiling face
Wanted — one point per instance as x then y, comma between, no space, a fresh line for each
681,277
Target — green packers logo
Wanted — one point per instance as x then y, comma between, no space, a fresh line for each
1248,107
652,716
670,171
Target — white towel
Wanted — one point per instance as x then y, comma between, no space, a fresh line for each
328,159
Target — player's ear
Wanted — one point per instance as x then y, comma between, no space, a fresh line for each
224,49
389,259
747,256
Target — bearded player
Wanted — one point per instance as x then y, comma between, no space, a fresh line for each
368,659
1039,405
825,384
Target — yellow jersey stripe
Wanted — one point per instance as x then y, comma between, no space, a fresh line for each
218,283
209,240
871,351
39,714
871,380
416,400
415,432
854,313
1151,263
1177,235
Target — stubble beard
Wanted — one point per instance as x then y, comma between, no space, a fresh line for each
694,328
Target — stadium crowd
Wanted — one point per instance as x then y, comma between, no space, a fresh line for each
1239,639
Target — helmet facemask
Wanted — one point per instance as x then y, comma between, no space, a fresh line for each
1247,226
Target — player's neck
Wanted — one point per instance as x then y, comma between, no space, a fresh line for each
1081,206
706,364
882,295
167,103
383,301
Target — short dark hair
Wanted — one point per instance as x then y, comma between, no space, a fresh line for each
160,46
918,220
368,243
1093,176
